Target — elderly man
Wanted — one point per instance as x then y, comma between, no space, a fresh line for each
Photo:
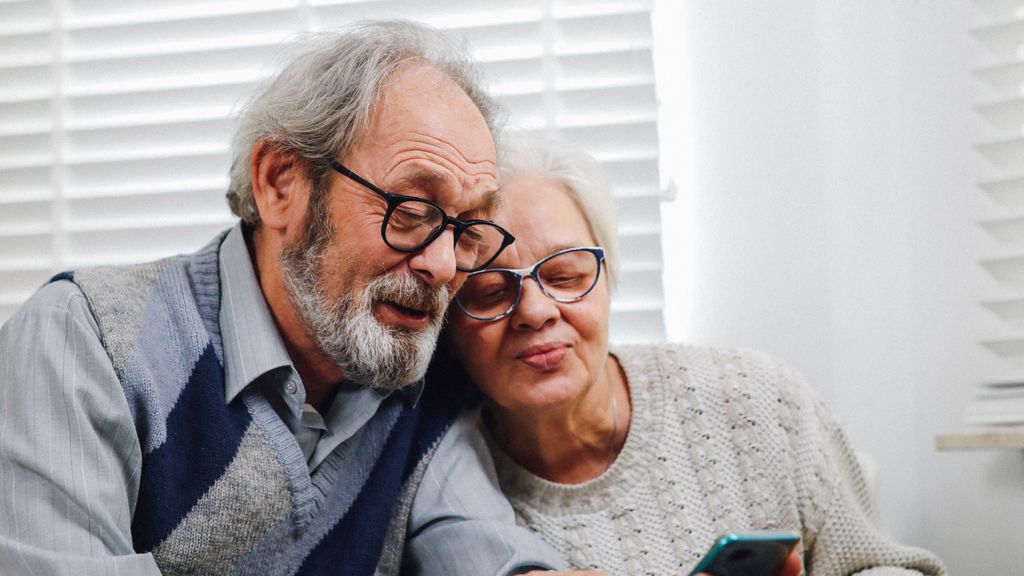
258,407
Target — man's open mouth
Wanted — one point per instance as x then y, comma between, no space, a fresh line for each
407,310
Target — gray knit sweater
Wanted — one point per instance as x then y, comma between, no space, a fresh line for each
720,440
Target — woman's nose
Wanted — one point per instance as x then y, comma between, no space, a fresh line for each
535,310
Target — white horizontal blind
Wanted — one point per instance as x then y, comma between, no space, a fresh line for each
1000,32
26,124
115,118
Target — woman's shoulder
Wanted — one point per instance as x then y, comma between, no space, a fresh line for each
709,369
690,356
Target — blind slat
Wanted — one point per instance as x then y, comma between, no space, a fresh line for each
1006,115
1006,154
146,173
19,18
1008,231
1002,38
104,13
1005,77
1007,271
1008,193
1009,310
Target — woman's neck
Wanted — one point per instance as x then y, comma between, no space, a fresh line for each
573,443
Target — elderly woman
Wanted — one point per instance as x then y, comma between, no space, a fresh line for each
632,459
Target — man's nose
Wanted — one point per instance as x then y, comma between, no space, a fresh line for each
435,263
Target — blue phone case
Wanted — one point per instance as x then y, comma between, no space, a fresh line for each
751,554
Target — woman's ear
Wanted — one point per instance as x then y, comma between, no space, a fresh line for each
279,186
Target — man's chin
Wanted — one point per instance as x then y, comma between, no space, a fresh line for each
388,359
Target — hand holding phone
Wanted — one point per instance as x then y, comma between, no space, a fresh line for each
750,554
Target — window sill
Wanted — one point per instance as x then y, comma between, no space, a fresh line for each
982,438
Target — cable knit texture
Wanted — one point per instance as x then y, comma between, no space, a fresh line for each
720,440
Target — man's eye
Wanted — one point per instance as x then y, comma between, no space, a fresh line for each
411,217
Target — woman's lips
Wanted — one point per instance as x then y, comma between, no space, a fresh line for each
546,357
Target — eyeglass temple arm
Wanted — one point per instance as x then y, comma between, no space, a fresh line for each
339,167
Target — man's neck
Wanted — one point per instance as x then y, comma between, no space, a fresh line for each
320,377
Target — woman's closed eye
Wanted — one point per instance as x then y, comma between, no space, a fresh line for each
486,288
564,280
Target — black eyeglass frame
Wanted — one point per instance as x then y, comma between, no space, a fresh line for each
532,272
395,200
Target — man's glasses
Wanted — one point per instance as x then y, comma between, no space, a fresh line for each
565,276
411,223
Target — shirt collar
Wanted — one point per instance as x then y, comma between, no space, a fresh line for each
252,344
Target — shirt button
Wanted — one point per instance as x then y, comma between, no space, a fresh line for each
291,388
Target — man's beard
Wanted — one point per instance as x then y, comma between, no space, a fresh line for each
345,329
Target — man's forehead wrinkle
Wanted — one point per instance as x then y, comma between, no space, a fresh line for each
423,177
416,167
427,175
429,168
417,170
434,148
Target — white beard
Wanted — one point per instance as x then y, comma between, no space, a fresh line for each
346,331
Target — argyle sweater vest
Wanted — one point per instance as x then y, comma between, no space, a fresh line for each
224,488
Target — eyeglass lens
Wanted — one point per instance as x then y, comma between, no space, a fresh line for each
565,277
412,224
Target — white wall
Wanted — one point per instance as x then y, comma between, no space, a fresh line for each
831,201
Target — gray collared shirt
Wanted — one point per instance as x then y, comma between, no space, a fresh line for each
69,455
255,355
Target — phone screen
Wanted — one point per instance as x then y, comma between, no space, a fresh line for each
750,554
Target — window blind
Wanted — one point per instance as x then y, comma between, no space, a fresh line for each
1000,71
116,115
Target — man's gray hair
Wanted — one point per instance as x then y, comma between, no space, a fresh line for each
525,154
317,106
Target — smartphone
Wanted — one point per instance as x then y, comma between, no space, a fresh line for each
750,554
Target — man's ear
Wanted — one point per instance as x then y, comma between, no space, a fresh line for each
279,185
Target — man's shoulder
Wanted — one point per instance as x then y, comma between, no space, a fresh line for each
60,300
61,294
127,281
169,305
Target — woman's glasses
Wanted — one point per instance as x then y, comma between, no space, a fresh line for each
565,276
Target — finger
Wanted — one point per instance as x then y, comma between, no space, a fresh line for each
793,566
